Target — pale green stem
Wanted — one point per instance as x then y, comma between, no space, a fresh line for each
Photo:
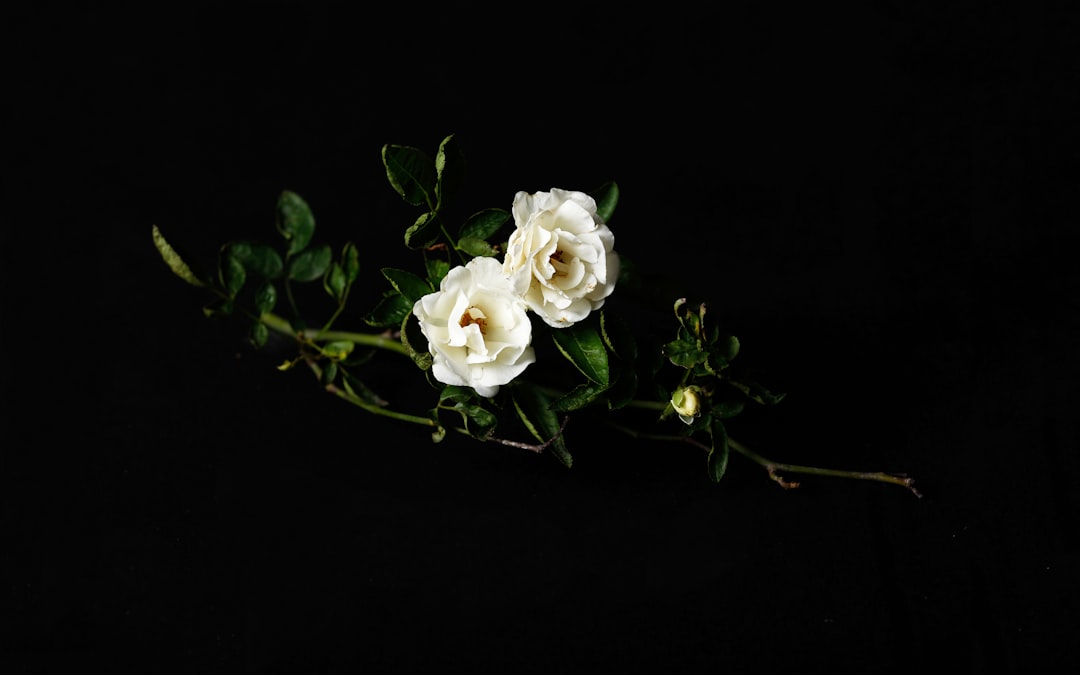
367,405
337,312
378,341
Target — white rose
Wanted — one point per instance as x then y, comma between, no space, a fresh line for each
477,327
561,255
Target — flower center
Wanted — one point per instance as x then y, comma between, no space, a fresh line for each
556,260
474,315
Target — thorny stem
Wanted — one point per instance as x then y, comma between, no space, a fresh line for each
537,448
774,469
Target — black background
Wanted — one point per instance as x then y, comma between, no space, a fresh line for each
875,200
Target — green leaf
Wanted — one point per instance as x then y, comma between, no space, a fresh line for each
311,264
258,259
421,357
484,224
265,297
479,421
334,281
477,248
728,348
756,392
174,261
329,373
534,411
684,353
457,394
219,308
717,460
581,344
357,388
437,269
294,221
391,310
259,334
338,349
424,232
618,336
624,390
607,197
406,283
232,274
449,170
411,172
350,262
579,397
726,409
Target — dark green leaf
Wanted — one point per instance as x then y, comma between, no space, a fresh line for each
357,388
476,247
457,394
484,224
726,409
728,348
411,173
718,452
173,260
406,283
391,310
259,334
257,259
422,357
607,197
218,309
437,268
479,421
533,408
424,232
232,274
350,262
757,392
449,170
334,281
624,390
310,264
581,344
265,297
684,353
294,221
360,357
578,397
618,336
329,373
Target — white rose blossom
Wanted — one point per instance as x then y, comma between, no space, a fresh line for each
477,327
561,255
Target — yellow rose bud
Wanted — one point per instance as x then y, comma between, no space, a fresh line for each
687,403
